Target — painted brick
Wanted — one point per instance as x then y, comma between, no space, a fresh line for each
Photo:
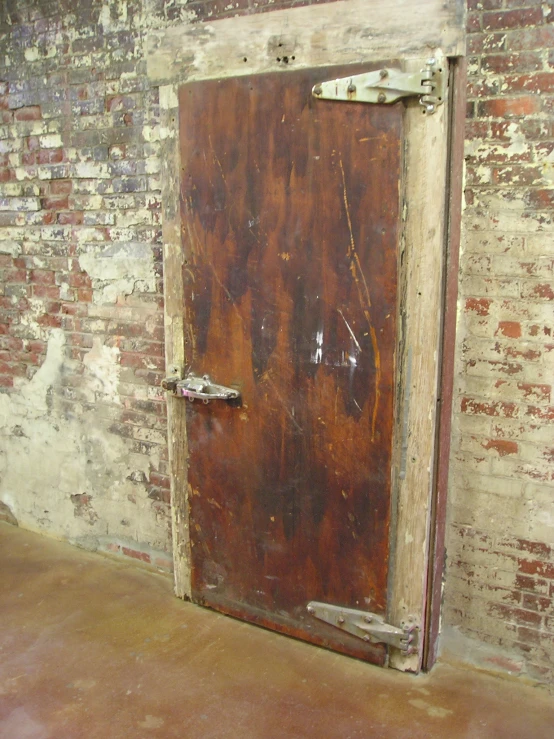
504,367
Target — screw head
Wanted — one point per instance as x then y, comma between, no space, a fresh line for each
368,619
382,98
351,88
310,610
383,73
317,90
340,620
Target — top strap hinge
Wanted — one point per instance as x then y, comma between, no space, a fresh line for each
388,85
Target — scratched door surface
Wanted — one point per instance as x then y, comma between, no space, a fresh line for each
290,212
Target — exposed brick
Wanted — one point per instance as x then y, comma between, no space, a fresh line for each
479,305
30,113
512,62
509,19
501,446
135,554
511,329
498,408
510,107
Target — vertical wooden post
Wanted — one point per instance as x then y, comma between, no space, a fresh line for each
421,276
174,334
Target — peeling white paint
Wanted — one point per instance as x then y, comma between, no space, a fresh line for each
103,370
48,454
119,269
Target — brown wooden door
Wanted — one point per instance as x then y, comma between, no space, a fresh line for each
290,213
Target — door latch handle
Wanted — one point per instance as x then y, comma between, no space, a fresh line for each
199,388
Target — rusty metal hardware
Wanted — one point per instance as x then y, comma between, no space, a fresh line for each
389,85
199,388
367,626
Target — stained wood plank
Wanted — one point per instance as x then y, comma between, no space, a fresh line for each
344,32
290,235
174,336
422,288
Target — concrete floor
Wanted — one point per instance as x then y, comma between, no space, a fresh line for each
91,647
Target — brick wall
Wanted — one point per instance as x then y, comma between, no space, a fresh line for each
82,417
500,574
83,453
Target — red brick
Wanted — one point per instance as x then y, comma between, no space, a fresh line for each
79,279
61,187
514,107
15,276
517,352
135,554
515,615
536,603
51,321
119,102
6,174
531,584
542,82
516,176
42,277
30,113
496,408
60,202
535,390
141,361
84,295
509,19
71,217
512,62
473,22
512,329
478,305
542,291
541,37
536,567
501,446
544,414
161,481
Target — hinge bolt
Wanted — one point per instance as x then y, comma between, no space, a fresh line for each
317,90
340,620
351,88
381,98
368,619
310,610
383,73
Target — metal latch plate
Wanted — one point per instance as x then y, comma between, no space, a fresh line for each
367,626
202,388
389,85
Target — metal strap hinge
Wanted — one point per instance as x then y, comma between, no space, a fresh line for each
367,626
389,85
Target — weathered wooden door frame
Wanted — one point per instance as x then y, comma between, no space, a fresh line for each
342,34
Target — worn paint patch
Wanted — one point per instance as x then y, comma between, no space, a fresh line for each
49,467
103,371
119,269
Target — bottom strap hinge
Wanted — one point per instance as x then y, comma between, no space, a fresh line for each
367,626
